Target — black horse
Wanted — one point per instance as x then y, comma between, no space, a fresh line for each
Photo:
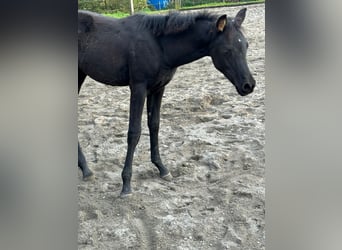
144,51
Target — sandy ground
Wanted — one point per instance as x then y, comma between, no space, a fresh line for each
211,139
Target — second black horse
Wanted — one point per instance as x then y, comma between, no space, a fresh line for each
144,51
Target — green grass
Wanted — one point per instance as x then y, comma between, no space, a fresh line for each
120,14
212,5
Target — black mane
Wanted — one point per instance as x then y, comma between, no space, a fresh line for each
172,23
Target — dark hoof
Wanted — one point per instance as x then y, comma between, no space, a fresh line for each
126,191
89,177
124,195
167,177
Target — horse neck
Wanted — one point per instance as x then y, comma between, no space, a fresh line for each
186,47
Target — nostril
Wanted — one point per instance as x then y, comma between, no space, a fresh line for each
247,87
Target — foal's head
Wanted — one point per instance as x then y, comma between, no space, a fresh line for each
228,52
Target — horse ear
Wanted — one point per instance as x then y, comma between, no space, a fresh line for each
240,17
221,23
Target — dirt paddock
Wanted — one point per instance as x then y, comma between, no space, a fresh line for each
211,139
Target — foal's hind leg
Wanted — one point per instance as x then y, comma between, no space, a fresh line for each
153,111
82,163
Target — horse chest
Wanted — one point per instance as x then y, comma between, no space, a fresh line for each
163,78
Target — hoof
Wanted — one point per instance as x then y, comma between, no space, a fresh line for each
125,195
167,177
89,177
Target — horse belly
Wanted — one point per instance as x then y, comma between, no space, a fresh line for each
107,68
114,77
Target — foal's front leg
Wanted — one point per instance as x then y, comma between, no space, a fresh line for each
138,95
153,112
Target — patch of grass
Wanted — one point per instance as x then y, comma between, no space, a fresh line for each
213,5
119,14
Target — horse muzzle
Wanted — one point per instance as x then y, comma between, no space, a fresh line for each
246,88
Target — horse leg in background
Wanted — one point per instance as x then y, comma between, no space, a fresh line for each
138,95
82,163
153,112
